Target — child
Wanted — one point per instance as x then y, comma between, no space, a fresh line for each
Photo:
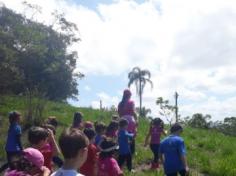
73,144
89,168
29,163
124,146
115,118
155,131
112,130
88,124
43,140
173,153
78,121
52,120
13,144
100,129
56,159
107,165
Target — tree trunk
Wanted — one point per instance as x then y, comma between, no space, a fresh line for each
140,98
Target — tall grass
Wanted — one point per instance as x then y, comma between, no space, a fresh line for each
208,152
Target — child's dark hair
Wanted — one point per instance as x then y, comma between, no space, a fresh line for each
112,126
71,141
13,116
90,133
37,134
78,116
107,148
158,122
52,121
100,127
51,127
115,117
123,122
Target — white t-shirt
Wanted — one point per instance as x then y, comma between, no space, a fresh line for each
63,172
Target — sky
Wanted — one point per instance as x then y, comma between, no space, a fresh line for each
188,45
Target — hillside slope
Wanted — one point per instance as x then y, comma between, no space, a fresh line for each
209,152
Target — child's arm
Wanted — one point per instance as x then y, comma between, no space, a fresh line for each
184,160
46,171
56,149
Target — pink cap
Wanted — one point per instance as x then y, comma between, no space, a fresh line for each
88,124
34,156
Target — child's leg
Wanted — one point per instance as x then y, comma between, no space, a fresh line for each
132,146
182,172
155,151
129,161
172,174
121,160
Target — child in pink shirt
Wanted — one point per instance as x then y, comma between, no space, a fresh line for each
155,132
107,165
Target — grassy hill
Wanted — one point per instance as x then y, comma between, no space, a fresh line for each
208,152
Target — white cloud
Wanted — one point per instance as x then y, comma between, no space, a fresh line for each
87,88
188,45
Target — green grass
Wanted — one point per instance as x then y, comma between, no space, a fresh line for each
208,152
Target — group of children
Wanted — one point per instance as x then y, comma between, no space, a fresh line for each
90,149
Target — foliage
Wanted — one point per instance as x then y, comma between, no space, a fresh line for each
34,57
140,78
198,120
166,109
144,111
208,151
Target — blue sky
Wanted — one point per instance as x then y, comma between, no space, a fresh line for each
188,45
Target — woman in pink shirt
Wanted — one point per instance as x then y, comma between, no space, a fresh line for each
155,131
126,110
107,165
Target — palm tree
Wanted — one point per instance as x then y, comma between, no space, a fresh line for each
144,111
139,78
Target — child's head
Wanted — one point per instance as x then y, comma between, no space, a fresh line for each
123,123
52,120
157,122
73,144
108,147
115,117
38,136
88,124
49,127
78,117
113,126
176,129
14,117
100,128
30,162
90,133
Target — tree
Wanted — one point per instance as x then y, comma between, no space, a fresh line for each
140,78
166,110
34,57
199,120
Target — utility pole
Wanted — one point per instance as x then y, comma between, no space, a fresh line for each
176,106
100,104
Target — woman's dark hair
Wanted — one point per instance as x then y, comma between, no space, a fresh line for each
78,117
125,98
90,133
113,125
13,116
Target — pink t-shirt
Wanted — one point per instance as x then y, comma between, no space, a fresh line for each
47,151
156,134
108,167
132,126
15,173
126,109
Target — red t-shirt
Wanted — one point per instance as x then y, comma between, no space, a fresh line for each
126,109
88,168
47,152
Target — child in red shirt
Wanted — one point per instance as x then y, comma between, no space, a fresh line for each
89,168
43,140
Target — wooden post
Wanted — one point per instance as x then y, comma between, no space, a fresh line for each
176,106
